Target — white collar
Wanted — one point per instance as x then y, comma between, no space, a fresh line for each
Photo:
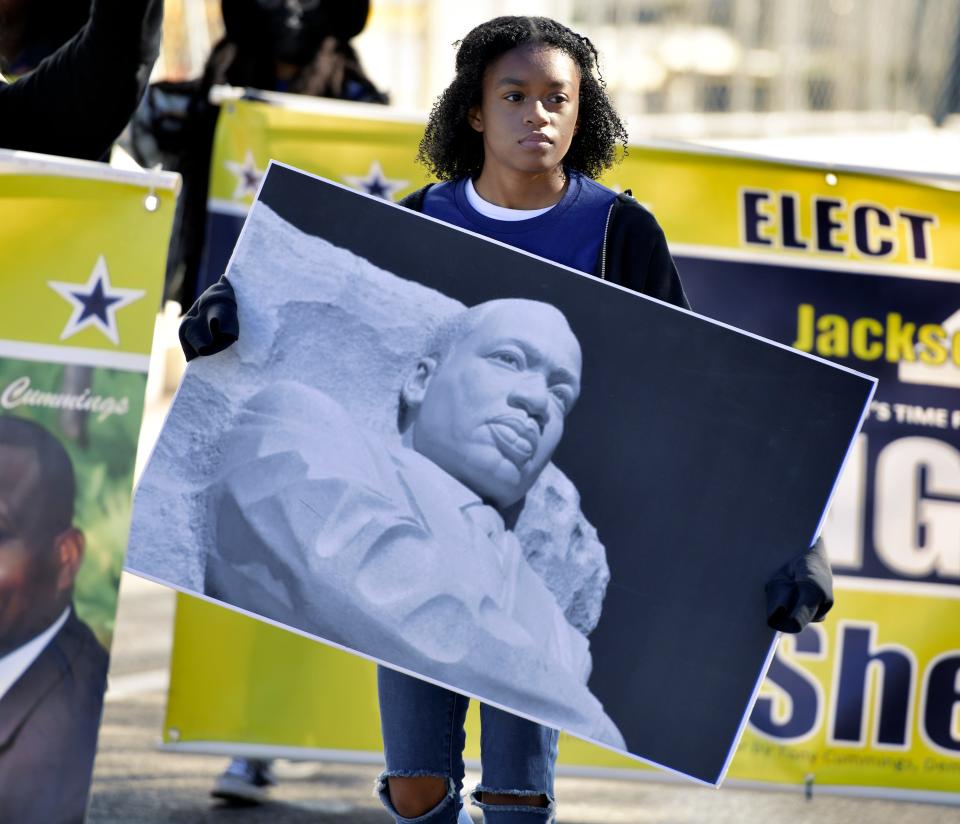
495,212
16,663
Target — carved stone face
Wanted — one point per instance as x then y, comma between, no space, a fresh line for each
492,413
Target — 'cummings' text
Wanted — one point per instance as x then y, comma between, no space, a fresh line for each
20,393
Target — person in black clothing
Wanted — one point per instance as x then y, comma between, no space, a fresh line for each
298,47
301,47
78,100
32,30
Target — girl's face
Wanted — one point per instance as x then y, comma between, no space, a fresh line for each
529,109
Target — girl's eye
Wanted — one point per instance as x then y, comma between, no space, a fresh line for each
513,97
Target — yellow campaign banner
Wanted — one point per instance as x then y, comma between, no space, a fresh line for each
85,249
802,214
358,144
62,227
84,253
856,266
867,699
883,661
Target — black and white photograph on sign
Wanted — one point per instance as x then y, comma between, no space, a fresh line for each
495,473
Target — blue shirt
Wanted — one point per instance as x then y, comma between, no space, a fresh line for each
571,233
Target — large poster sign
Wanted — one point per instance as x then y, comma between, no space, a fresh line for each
487,470
84,252
848,265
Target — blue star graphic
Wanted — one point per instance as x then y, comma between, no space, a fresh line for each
375,186
376,183
247,174
95,303
251,178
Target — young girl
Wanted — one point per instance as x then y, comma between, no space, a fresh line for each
517,140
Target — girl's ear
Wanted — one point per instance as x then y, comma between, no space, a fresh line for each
475,118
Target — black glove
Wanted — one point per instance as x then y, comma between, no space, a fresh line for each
800,591
212,324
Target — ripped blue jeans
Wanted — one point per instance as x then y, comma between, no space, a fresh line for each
423,735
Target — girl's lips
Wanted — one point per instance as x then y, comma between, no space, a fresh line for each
536,139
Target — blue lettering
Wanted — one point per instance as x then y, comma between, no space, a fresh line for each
895,688
753,218
861,231
799,686
943,695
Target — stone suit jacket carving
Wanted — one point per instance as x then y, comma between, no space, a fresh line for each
341,533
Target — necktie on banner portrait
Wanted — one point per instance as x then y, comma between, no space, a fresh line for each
331,495
84,249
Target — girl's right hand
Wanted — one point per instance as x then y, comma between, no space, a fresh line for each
211,324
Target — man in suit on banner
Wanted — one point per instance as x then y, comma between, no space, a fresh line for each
52,668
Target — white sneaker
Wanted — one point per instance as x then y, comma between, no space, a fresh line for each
245,781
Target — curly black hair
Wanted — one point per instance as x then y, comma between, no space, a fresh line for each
452,149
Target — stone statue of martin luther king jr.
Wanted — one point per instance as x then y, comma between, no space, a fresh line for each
402,548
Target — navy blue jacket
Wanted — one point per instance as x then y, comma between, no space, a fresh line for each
634,253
